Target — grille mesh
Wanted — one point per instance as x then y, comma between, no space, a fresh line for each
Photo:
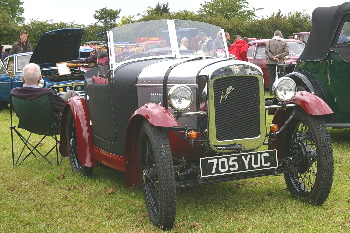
237,112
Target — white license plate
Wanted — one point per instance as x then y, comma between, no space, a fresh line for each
238,163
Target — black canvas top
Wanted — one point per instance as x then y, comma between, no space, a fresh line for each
325,23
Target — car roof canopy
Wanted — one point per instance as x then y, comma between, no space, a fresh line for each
325,22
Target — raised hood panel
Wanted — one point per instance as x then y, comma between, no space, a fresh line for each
58,46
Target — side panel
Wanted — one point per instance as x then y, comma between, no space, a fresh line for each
122,87
83,130
311,103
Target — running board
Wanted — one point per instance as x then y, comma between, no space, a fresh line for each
338,125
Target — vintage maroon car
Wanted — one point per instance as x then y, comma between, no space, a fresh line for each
185,117
256,55
303,36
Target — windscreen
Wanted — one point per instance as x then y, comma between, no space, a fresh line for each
167,38
295,48
22,61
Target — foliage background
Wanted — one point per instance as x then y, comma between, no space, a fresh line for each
232,15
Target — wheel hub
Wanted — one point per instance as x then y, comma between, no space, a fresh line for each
149,175
301,153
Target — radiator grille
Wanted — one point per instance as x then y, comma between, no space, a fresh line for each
237,110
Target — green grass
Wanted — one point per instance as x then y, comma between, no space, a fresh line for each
38,197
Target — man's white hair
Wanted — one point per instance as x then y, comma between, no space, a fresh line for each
31,74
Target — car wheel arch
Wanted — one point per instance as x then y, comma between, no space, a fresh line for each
309,81
302,80
157,116
78,107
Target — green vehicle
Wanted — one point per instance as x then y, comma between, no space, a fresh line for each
324,65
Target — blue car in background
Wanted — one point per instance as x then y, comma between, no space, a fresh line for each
57,53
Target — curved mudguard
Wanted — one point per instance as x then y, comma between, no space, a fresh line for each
312,104
155,115
81,117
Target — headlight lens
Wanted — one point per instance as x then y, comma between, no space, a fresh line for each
180,97
284,89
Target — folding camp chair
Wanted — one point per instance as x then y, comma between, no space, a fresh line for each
37,117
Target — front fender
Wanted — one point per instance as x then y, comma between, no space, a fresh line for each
80,113
312,104
155,115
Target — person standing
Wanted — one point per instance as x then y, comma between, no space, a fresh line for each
228,38
184,43
22,45
276,50
239,49
4,54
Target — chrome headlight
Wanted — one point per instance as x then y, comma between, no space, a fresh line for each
284,89
180,97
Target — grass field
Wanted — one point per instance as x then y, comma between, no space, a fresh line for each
38,197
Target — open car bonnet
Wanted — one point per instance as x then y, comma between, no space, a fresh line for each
58,46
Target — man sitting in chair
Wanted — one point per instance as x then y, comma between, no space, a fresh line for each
31,78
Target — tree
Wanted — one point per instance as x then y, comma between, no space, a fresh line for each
228,9
94,32
13,8
158,12
37,28
9,28
107,17
287,24
126,20
159,9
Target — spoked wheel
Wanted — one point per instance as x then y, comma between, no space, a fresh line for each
308,144
72,146
158,176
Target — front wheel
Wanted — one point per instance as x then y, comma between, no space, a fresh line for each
72,146
308,144
158,176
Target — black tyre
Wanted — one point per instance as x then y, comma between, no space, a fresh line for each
158,176
308,143
72,146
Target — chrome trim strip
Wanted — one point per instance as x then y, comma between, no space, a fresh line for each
201,113
280,106
161,85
